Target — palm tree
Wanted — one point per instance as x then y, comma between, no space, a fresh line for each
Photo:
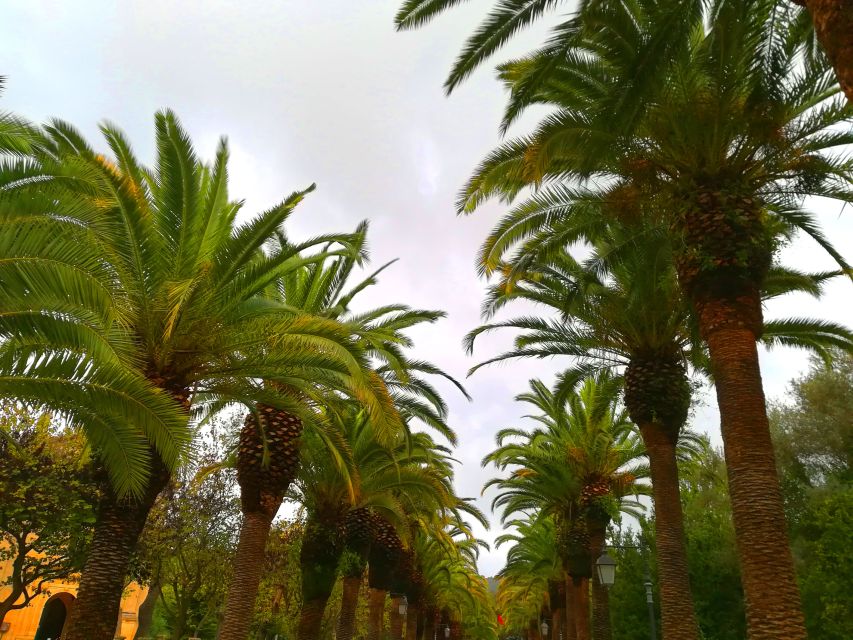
579,468
62,346
621,310
184,299
727,200
535,565
832,21
268,454
379,482
444,555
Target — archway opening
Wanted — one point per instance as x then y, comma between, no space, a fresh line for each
53,617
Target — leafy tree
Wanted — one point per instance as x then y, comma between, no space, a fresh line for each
821,544
811,433
188,544
813,441
47,502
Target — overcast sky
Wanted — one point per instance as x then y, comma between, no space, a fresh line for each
326,91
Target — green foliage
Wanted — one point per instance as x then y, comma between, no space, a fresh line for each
814,446
47,497
825,564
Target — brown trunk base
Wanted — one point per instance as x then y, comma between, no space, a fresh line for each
678,618
248,567
773,610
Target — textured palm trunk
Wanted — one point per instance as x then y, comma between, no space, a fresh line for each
422,627
456,630
117,531
773,609
319,557
396,620
311,618
376,614
833,23
248,567
349,604
571,626
533,630
412,618
273,433
581,608
600,610
678,617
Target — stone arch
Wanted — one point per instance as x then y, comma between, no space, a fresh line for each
53,616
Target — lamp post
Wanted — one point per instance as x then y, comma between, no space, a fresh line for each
404,605
544,628
605,566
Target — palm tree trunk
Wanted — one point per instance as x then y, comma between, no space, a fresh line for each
773,609
412,617
376,614
833,23
571,617
349,604
396,619
678,616
311,618
119,525
581,608
600,610
248,567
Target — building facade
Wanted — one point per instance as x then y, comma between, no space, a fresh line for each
45,616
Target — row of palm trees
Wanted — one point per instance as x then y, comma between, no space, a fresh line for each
136,304
682,143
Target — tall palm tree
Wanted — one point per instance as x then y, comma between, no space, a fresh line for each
621,310
731,135
184,296
535,563
61,342
322,290
580,467
381,480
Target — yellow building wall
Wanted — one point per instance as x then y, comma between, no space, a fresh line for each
23,623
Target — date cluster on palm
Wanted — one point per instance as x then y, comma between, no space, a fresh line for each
268,456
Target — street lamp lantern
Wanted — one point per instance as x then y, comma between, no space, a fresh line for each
545,628
404,605
447,631
606,567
